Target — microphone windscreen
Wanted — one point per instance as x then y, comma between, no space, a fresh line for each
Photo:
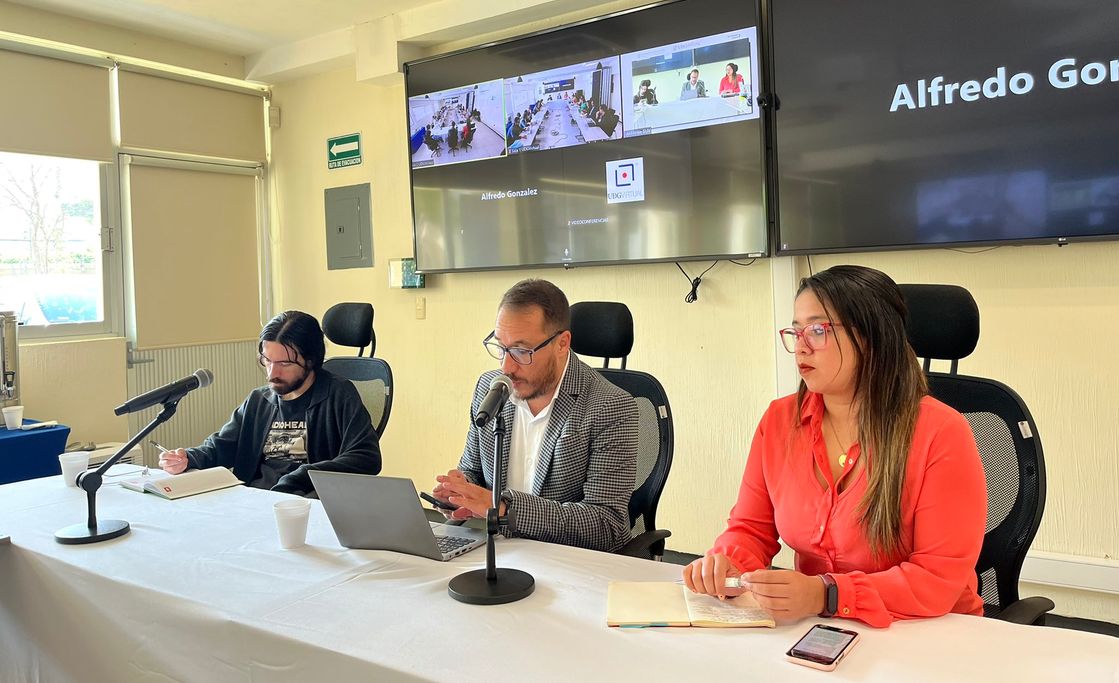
502,380
205,377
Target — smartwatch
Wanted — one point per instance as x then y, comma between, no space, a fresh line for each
831,596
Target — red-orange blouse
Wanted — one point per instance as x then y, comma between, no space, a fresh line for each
943,508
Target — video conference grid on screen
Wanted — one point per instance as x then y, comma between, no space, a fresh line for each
700,82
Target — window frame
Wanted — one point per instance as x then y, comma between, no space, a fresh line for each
112,271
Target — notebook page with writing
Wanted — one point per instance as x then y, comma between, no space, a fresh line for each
711,612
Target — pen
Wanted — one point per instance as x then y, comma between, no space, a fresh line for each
729,582
156,444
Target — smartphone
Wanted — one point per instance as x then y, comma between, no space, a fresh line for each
822,647
441,504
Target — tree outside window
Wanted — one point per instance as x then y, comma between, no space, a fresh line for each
51,270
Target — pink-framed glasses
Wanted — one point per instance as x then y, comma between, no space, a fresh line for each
815,336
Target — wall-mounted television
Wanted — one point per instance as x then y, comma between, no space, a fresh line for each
634,137
917,124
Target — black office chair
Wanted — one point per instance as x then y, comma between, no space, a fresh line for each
605,330
351,324
943,324
433,145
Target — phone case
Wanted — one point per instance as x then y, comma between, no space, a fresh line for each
821,666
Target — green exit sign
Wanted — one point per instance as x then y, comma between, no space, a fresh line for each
344,150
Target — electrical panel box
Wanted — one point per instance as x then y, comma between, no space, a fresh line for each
349,227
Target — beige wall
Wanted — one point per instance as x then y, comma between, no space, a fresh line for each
715,357
78,384
718,347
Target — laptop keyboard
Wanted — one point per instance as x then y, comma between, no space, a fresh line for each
448,544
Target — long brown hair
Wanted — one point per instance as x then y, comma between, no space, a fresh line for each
889,385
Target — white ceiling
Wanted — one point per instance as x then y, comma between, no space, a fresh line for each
240,27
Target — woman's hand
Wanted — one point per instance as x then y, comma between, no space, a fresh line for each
787,595
708,575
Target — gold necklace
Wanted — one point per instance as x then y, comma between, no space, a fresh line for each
839,441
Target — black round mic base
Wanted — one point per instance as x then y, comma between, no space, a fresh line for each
77,534
474,588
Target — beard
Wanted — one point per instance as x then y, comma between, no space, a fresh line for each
545,384
285,388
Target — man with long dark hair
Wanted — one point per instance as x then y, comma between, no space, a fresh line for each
305,418
571,453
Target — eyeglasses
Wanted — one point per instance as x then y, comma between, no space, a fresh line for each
281,364
521,355
815,336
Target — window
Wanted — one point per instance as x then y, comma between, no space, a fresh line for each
53,271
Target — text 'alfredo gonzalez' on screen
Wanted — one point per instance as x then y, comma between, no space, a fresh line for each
510,194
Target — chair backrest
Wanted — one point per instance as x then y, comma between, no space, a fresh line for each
943,323
655,440
373,379
605,329
350,324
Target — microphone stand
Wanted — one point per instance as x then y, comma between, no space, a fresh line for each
94,530
493,585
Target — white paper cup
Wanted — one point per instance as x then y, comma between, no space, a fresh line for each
291,522
13,417
73,464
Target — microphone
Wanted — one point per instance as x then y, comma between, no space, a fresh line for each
168,392
501,388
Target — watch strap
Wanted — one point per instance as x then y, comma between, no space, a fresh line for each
831,596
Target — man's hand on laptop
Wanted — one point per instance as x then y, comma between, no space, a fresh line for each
473,500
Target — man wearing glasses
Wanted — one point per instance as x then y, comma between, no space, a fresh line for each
305,418
570,452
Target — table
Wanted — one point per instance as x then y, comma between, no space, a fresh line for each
675,113
31,454
201,591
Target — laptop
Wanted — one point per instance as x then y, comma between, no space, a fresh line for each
383,513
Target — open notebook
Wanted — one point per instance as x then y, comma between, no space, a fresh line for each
664,603
181,485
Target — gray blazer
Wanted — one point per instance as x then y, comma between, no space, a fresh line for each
587,467
689,93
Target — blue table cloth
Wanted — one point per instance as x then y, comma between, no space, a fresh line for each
31,454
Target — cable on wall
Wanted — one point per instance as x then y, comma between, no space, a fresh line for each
693,296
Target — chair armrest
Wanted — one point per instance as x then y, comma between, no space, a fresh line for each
1027,611
647,545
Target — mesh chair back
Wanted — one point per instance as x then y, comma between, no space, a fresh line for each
943,323
605,329
1014,466
350,324
654,444
373,379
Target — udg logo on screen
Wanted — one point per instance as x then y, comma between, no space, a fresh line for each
625,180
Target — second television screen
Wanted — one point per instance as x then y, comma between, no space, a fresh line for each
635,137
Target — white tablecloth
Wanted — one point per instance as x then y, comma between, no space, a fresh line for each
201,591
678,112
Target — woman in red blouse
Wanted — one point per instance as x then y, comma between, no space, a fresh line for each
877,486
733,83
